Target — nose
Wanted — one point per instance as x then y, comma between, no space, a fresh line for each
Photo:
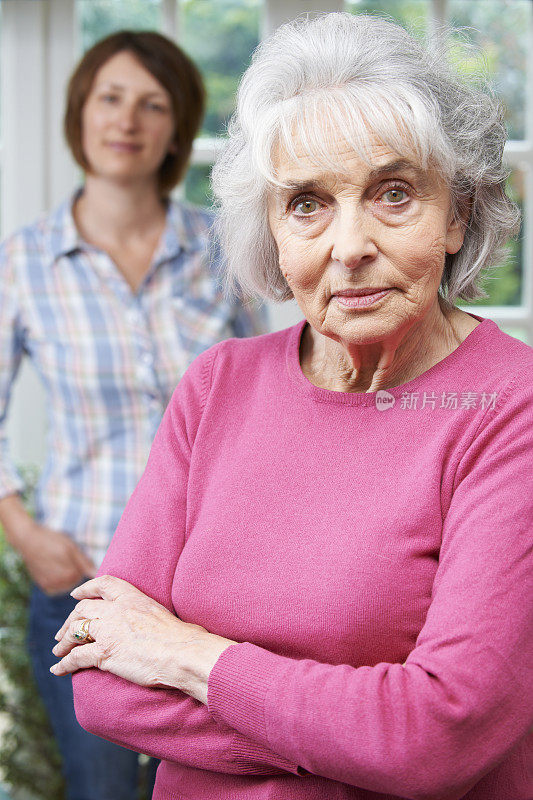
127,117
353,243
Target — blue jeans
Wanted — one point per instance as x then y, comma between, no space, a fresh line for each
94,768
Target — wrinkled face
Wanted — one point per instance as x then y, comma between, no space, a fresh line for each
127,121
382,228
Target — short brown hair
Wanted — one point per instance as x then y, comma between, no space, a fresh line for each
175,72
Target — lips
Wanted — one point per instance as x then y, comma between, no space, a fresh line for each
125,146
354,298
361,292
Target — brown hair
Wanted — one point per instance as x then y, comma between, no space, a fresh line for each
175,72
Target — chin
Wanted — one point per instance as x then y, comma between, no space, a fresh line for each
367,330
123,176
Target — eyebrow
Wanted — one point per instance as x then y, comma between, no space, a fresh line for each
400,165
117,87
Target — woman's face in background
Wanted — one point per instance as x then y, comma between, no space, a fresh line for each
127,121
384,226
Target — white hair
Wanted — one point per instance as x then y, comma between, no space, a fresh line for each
355,73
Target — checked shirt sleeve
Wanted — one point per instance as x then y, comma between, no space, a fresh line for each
11,352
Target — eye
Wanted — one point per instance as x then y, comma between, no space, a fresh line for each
156,107
305,206
395,196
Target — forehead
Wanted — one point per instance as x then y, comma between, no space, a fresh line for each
341,160
124,70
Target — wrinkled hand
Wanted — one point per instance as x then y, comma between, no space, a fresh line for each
137,639
54,561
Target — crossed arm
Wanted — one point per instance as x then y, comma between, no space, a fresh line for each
148,669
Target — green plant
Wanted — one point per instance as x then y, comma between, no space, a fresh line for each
29,759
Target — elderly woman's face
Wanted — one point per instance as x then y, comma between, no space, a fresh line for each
381,230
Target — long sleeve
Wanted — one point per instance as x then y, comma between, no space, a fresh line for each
434,726
145,549
11,352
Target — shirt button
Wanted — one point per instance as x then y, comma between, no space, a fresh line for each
147,359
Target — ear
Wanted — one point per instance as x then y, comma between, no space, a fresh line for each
455,233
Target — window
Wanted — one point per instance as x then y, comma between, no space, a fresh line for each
206,27
99,18
412,14
500,30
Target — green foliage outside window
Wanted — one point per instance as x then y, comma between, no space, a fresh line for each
412,14
500,30
220,36
504,284
198,186
99,18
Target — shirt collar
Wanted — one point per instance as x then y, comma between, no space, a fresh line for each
64,236
178,235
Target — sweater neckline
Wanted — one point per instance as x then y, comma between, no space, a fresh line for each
369,398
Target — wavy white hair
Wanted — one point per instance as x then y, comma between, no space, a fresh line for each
351,73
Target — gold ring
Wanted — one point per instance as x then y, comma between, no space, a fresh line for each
82,633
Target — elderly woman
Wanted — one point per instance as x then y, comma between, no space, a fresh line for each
321,586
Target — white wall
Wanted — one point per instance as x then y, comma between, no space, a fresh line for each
37,54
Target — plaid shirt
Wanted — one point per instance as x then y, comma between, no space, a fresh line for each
108,358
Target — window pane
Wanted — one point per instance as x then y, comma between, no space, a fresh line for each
220,36
197,186
500,28
412,14
504,286
99,18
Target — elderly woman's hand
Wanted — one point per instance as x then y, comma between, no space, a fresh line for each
136,638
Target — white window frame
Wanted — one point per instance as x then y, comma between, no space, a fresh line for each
37,51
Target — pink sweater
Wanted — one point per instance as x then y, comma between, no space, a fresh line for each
373,562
